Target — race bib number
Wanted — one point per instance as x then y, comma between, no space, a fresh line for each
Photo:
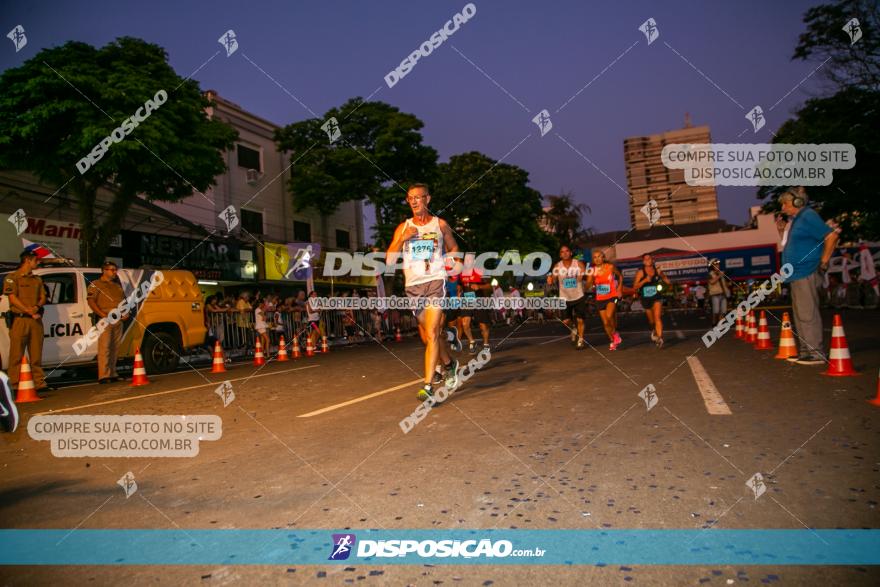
422,250
603,289
470,294
649,291
569,282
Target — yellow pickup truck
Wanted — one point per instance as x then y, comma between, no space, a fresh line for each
166,306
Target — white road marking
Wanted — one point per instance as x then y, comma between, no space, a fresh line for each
711,397
360,399
134,397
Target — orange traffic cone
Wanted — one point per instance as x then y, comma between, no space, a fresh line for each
282,350
876,400
310,350
139,375
740,327
325,348
840,363
296,352
787,345
751,330
397,337
259,359
763,343
26,390
218,365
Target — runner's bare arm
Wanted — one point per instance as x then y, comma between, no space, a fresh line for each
663,276
640,276
401,235
448,239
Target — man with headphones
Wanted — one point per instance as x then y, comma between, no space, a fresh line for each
807,243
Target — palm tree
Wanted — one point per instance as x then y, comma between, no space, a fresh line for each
562,218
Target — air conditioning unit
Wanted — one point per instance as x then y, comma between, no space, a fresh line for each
253,176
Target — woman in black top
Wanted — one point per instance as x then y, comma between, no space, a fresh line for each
649,283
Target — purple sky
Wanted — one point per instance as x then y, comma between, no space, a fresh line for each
540,53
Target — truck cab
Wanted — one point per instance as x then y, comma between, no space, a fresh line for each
168,320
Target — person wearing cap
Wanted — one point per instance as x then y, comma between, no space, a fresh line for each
104,295
27,296
807,244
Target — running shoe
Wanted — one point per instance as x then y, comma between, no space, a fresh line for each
581,344
452,375
452,337
8,411
574,335
472,347
803,356
812,359
612,347
438,376
653,336
659,343
427,391
617,339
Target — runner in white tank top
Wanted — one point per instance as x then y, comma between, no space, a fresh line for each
424,240
570,274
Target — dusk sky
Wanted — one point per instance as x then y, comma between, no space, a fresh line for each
538,54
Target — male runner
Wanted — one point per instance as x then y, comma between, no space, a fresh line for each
607,279
571,273
425,240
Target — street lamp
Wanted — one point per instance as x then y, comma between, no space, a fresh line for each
494,282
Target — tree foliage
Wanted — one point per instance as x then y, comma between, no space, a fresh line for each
489,205
56,107
378,154
564,217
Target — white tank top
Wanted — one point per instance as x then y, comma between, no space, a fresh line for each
423,256
571,284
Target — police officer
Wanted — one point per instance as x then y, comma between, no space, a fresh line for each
27,296
104,295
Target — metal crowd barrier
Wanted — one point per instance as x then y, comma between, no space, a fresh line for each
236,333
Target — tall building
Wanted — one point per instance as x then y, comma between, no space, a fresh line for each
648,179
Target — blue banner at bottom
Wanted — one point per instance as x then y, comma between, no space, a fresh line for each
440,547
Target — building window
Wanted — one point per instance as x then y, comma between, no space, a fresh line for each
302,232
249,158
343,240
252,221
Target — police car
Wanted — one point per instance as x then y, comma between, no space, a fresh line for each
166,308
